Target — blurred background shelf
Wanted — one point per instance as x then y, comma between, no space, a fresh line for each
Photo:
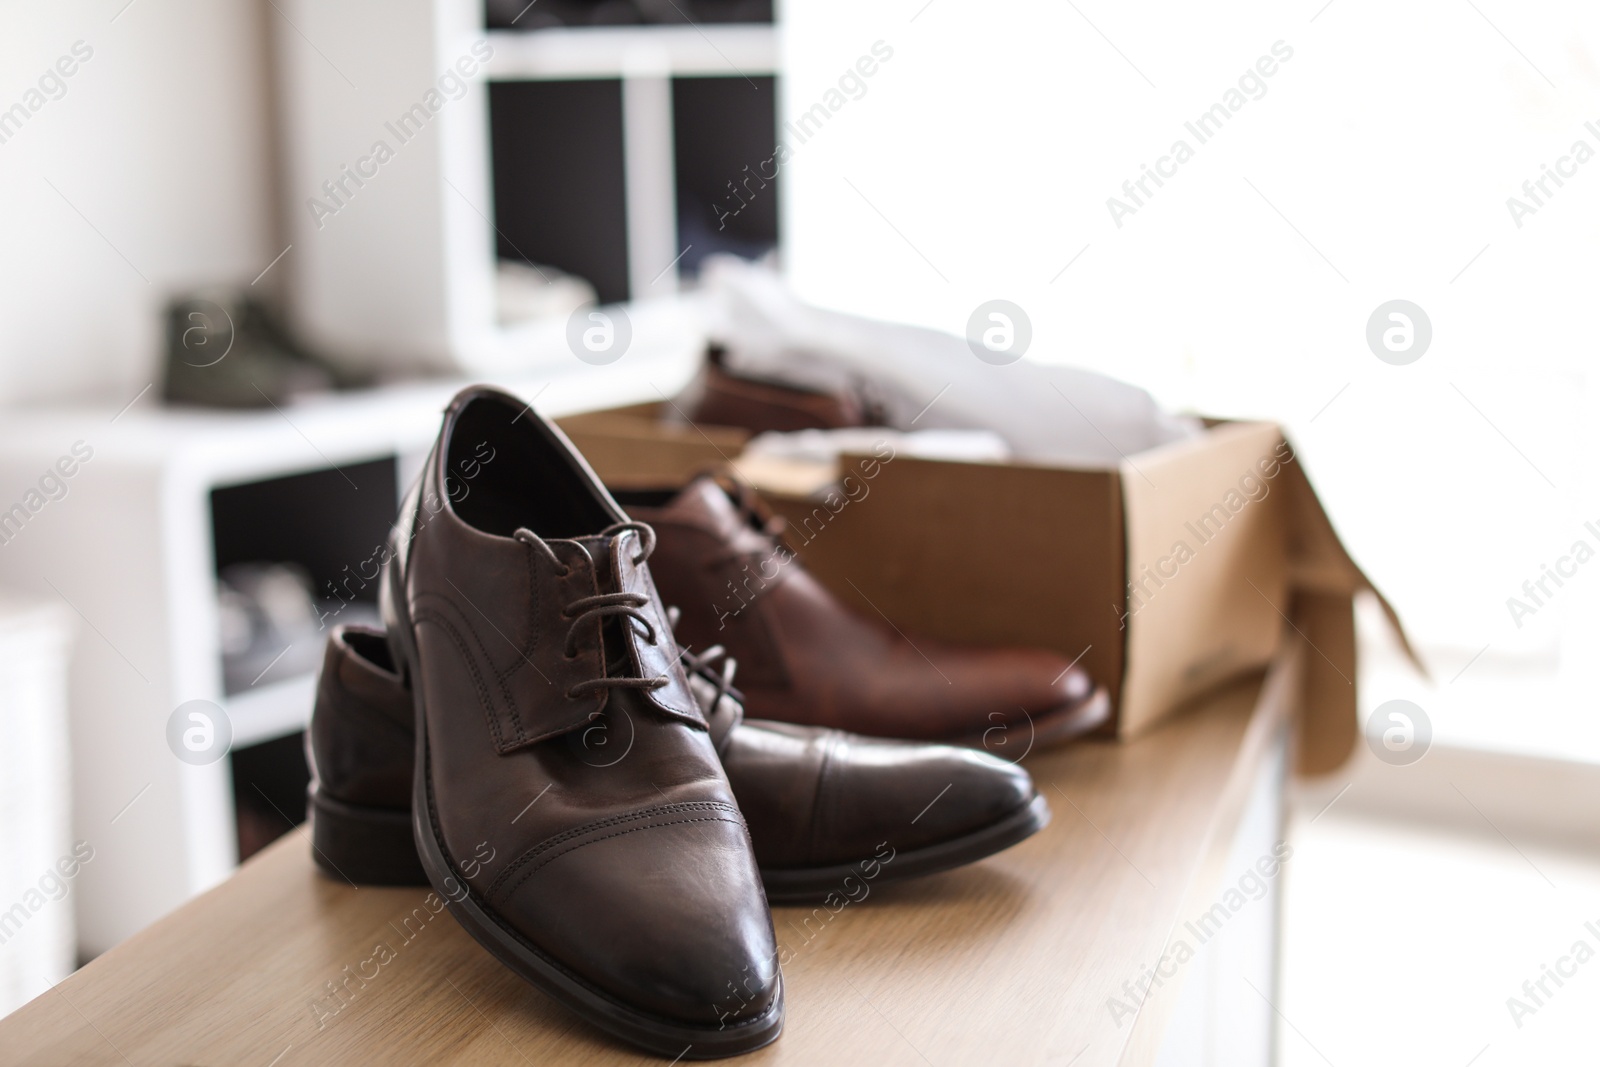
133,552
618,51
620,156
36,832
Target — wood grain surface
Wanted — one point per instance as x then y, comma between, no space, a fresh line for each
1010,961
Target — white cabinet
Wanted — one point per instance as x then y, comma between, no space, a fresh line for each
127,553
37,944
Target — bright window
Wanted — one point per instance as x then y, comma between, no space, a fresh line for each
1373,163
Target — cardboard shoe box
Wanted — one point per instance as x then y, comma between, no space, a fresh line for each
1173,572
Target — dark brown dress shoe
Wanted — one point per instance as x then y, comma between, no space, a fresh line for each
826,809
360,748
568,801
804,657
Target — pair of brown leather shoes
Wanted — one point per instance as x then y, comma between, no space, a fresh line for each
598,818
819,803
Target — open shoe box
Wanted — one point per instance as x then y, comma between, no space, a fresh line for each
1167,575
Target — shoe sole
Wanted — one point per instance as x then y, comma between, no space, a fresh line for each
665,1037
808,885
377,846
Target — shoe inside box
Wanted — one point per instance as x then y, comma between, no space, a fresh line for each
1169,574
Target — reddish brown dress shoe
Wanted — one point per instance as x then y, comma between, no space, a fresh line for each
828,811
721,398
567,799
804,657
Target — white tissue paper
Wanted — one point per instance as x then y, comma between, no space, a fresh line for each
825,446
1047,414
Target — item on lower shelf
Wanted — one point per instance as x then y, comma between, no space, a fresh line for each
805,657
528,292
272,624
226,350
822,804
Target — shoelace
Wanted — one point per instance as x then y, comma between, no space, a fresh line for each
723,680
874,408
749,505
701,664
603,606
754,514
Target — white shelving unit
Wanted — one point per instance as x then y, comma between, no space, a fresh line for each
127,553
37,945
620,51
403,273
644,59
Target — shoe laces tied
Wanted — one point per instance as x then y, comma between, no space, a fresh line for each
701,663
602,606
647,537
647,543
750,506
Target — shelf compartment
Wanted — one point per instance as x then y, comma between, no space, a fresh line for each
735,51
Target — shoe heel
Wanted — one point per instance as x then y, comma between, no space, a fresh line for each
391,607
364,845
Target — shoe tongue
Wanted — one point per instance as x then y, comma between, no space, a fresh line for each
599,547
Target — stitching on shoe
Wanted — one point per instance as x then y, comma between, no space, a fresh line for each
524,658
821,808
514,886
600,824
656,697
484,699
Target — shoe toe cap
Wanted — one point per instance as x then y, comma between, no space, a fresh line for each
669,920
917,795
994,694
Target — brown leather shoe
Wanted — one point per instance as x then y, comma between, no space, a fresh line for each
828,811
804,657
721,398
617,877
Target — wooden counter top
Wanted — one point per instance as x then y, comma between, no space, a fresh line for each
1010,961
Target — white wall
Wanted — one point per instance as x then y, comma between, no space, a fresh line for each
161,142
979,162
